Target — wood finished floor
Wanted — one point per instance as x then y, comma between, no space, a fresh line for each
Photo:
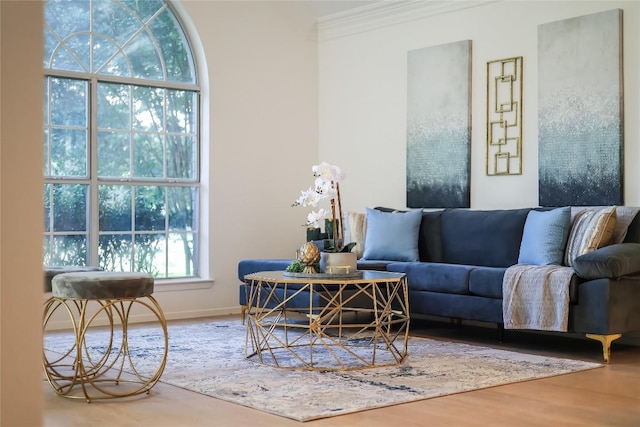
608,396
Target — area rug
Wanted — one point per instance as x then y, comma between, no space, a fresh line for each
208,358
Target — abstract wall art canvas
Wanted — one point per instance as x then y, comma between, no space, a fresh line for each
580,114
439,126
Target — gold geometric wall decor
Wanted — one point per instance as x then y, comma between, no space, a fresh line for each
504,116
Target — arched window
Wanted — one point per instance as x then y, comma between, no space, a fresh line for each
121,138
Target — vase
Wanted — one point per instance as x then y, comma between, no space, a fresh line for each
338,262
328,227
313,233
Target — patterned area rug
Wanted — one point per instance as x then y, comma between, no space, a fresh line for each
208,358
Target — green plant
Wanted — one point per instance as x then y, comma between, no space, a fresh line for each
295,267
329,247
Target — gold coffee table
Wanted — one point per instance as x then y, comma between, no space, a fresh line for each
346,322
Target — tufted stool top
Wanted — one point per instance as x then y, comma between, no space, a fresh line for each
51,272
102,285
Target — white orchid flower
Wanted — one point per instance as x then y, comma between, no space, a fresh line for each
322,170
328,172
309,197
322,186
337,174
325,186
314,218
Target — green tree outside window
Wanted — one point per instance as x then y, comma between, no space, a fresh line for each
121,138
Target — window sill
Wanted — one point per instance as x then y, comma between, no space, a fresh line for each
171,285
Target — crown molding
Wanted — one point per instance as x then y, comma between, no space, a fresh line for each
385,13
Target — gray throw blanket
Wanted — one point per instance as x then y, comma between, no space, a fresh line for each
536,297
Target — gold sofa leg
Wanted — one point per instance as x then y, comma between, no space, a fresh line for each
243,312
606,341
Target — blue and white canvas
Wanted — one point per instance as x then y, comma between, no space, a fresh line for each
439,126
580,111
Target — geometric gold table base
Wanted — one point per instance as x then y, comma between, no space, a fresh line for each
101,362
354,323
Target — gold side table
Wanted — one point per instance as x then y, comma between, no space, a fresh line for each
344,323
103,361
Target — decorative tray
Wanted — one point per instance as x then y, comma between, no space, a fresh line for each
358,274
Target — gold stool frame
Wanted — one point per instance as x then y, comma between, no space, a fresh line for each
112,372
359,323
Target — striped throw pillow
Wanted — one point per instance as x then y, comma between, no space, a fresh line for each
591,230
357,229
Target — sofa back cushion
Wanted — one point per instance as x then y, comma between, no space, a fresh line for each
633,232
429,238
475,237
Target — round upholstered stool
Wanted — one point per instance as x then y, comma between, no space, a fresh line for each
49,273
53,271
104,358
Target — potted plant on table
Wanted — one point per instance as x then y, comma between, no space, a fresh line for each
326,186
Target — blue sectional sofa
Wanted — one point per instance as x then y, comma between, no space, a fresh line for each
463,256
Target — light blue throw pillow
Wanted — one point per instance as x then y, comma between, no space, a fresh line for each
392,236
545,237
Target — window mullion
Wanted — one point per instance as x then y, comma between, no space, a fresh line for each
134,187
94,232
136,81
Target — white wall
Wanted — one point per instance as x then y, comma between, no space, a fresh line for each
362,89
21,213
260,76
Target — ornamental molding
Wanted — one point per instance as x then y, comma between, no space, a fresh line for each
386,13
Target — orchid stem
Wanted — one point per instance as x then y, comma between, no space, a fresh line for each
341,235
335,229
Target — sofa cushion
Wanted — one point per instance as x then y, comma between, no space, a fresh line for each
373,264
591,230
456,306
392,236
486,281
430,239
295,297
612,262
248,266
632,233
436,277
545,237
486,238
